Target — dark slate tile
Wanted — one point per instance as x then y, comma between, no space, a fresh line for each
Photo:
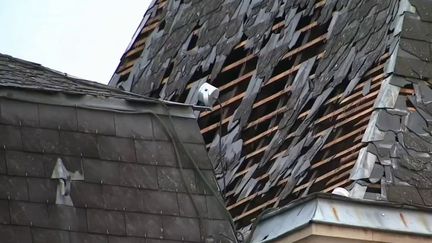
11,137
159,132
404,194
171,179
72,164
141,176
4,212
45,236
188,209
87,238
106,222
3,168
423,8
127,239
408,67
67,218
93,121
209,176
215,209
414,28
14,188
177,228
114,148
15,234
42,190
199,153
426,195
25,164
121,198
58,117
419,49
133,125
144,225
216,227
99,171
87,195
187,129
159,202
19,113
155,153
40,140
77,144
26,213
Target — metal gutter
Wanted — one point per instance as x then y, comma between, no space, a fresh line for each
342,211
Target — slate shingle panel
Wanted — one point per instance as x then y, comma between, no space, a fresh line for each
131,188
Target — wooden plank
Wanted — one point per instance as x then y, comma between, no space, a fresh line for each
262,206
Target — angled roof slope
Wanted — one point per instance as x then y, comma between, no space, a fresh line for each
301,84
83,162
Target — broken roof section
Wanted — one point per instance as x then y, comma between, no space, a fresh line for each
297,79
83,162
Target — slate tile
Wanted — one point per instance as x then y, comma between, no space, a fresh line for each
118,239
4,212
414,28
199,153
215,209
141,176
121,198
426,195
155,153
25,164
87,195
177,228
19,113
42,190
404,194
77,144
13,188
58,117
94,121
87,238
15,234
45,236
106,222
67,218
133,125
202,187
3,168
159,202
423,8
159,132
26,213
114,148
216,227
187,208
187,129
171,179
40,140
99,171
144,225
11,137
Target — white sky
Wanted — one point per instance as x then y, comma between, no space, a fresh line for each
84,38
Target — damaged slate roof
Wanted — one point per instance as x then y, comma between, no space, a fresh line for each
314,94
83,162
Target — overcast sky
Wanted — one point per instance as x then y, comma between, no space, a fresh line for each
84,38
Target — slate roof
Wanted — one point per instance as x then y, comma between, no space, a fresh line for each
315,94
127,183
20,73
